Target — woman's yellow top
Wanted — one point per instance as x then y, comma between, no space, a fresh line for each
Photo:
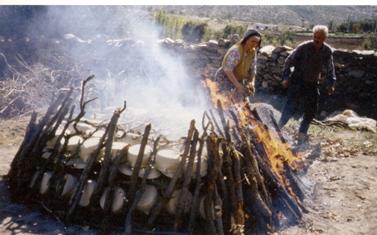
246,59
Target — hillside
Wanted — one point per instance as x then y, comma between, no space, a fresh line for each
288,15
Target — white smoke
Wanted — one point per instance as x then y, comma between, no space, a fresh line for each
155,84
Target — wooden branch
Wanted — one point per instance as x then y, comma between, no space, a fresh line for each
228,173
186,182
140,192
292,210
103,174
169,190
136,169
277,128
34,150
216,124
214,164
16,165
239,214
223,120
54,159
55,150
195,200
82,104
253,170
113,172
209,122
84,176
293,181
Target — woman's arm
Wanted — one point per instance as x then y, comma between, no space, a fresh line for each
240,88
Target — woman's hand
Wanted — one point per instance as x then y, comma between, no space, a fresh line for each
241,89
250,88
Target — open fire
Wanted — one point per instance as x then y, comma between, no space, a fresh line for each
234,176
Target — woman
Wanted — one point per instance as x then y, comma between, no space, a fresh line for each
238,69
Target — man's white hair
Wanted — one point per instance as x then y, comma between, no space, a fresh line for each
321,28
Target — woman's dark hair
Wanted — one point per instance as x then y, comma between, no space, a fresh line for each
250,33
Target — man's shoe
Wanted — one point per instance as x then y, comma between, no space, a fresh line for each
302,139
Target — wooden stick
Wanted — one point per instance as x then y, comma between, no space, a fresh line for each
26,170
186,182
292,209
169,190
113,172
84,176
136,169
253,170
227,167
214,164
216,124
293,181
238,210
29,133
103,174
277,128
139,193
218,205
37,150
223,120
195,200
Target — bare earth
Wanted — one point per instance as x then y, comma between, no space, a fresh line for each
341,194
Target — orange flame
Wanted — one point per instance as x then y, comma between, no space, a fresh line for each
225,98
277,151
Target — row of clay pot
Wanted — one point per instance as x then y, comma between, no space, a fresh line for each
145,204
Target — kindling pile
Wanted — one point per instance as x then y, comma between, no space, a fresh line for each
233,175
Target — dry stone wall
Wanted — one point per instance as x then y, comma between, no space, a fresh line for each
356,72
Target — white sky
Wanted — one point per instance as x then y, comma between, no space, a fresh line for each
187,2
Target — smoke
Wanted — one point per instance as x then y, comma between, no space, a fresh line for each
119,45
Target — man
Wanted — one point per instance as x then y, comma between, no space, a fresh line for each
309,60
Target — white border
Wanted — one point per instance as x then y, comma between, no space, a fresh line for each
188,2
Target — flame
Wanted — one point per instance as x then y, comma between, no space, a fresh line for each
277,152
224,98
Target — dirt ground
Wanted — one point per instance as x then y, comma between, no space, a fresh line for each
341,186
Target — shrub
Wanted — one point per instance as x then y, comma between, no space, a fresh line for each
233,29
193,32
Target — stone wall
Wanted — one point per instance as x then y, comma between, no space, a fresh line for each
356,72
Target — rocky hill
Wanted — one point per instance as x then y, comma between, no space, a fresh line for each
288,15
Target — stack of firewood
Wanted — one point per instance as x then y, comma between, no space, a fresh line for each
223,183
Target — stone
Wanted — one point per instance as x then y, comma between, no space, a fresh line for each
267,50
212,43
280,49
234,38
265,84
